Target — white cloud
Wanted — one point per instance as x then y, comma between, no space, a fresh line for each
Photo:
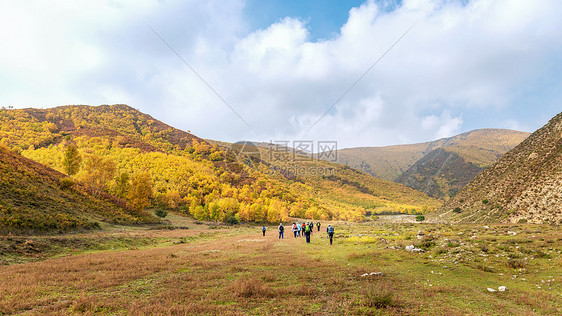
458,60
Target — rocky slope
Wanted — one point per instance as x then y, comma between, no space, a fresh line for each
524,185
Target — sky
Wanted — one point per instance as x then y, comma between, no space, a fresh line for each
361,73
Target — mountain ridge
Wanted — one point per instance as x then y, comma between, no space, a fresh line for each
407,164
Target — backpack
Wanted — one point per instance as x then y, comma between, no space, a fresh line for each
330,230
281,228
307,229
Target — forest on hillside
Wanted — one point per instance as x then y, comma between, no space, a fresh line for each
146,163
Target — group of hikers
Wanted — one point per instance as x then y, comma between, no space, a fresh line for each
303,230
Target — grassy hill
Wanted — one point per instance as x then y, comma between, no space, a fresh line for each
438,173
37,199
522,186
193,176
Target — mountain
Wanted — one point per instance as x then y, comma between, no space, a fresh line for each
34,198
524,185
206,180
439,168
439,173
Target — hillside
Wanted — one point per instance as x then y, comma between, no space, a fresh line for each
522,186
34,198
339,185
192,176
440,173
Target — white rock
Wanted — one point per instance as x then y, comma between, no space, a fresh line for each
411,248
491,289
502,288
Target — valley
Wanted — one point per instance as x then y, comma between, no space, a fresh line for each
154,153
90,241
201,268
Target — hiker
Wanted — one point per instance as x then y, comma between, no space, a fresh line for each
294,230
263,230
298,229
318,225
307,231
281,230
330,231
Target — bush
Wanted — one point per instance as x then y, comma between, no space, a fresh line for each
426,245
231,220
161,213
515,264
66,183
457,210
420,218
379,298
485,201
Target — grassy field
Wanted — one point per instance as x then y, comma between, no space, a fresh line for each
206,269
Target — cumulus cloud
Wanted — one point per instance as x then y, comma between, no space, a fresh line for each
463,65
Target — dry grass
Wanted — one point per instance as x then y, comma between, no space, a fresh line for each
206,277
236,272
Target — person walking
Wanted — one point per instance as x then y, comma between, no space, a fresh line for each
263,230
281,230
298,229
318,225
330,231
307,231
294,230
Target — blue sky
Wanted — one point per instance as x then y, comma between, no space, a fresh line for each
323,18
278,66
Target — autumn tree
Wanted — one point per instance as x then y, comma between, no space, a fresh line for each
215,212
200,213
273,215
140,193
98,172
71,160
122,185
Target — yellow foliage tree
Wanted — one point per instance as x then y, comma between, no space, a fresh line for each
140,194
71,160
122,185
273,215
98,171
